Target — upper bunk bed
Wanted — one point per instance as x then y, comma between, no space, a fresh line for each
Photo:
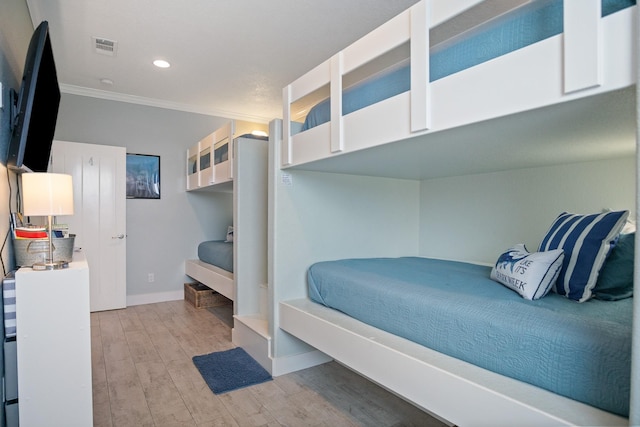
210,161
391,86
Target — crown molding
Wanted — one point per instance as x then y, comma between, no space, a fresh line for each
151,102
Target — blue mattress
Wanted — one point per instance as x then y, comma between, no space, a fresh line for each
581,351
520,28
218,253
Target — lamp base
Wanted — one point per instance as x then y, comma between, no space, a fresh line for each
53,265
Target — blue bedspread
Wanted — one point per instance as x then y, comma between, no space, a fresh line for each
218,253
523,27
582,351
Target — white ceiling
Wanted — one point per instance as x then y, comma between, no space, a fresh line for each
230,58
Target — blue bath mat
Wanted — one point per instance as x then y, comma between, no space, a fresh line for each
229,370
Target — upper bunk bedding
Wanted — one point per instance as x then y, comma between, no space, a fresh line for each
218,253
520,28
582,351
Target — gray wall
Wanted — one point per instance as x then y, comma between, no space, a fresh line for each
161,234
15,33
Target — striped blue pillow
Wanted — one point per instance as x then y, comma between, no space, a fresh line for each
586,241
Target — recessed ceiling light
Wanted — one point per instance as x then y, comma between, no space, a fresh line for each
161,63
106,81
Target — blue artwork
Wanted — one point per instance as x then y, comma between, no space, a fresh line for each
143,176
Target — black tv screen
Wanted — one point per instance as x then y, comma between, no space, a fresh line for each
36,110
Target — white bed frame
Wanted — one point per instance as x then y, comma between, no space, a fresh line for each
593,57
458,392
215,177
214,277
244,175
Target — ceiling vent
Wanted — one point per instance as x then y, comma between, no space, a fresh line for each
105,46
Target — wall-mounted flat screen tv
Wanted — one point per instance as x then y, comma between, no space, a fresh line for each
36,109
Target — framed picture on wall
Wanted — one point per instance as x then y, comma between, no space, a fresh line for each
143,176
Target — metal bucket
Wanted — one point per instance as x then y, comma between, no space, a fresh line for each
31,251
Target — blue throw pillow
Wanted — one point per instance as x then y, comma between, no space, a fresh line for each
615,281
586,241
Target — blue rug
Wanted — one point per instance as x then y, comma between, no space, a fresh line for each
229,370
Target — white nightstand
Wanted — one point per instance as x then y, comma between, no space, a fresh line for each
54,346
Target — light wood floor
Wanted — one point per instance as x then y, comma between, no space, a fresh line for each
143,376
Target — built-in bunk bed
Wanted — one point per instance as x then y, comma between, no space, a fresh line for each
546,104
209,167
233,159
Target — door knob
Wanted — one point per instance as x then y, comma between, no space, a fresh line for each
119,236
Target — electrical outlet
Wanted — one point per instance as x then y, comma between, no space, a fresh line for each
151,278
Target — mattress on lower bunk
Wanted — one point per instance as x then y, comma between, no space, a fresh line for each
218,253
524,26
578,350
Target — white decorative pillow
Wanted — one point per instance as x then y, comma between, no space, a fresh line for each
229,234
529,274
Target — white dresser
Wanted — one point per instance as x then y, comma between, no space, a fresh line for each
54,346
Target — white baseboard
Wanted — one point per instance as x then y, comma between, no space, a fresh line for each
154,297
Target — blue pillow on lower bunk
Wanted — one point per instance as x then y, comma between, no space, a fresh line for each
529,274
586,240
615,281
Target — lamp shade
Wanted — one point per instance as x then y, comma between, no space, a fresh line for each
45,194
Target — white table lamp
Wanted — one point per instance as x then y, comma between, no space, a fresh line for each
47,194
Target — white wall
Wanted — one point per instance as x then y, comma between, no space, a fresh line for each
475,218
325,216
161,234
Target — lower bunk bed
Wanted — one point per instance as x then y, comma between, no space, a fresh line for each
214,267
446,337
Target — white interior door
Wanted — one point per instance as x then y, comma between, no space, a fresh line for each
99,219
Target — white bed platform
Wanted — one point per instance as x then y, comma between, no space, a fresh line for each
594,55
458,392
214,277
